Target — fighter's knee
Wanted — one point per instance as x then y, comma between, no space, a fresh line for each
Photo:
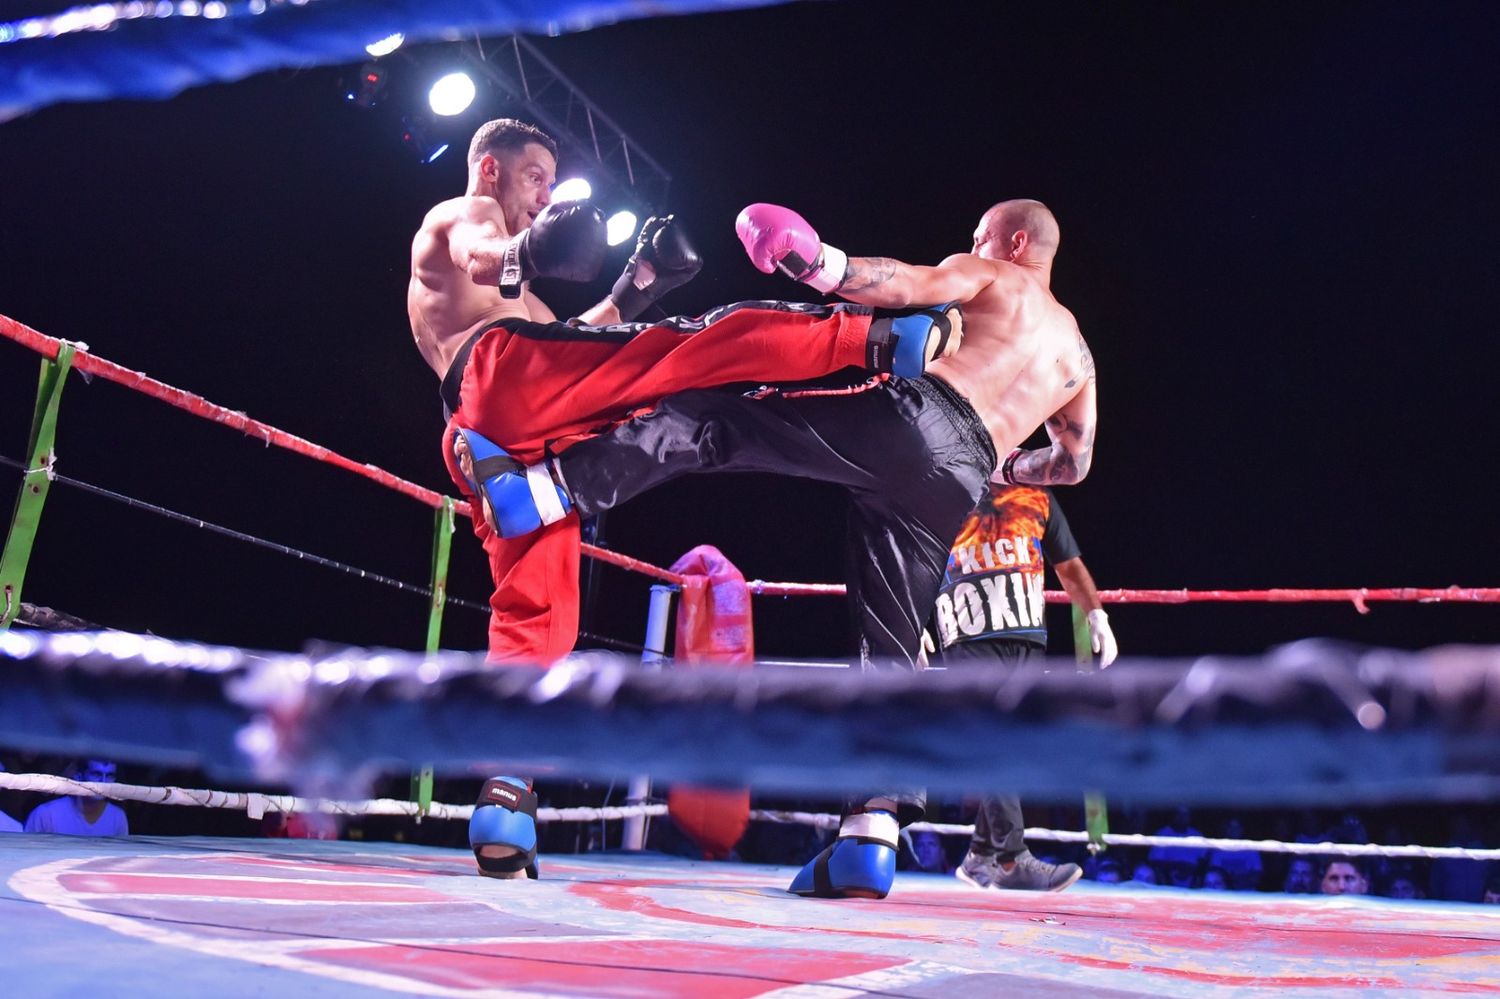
712,442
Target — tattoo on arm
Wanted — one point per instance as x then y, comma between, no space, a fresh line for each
867,272
1085,365
1066,462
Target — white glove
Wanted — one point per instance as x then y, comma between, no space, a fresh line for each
1101,639
928,648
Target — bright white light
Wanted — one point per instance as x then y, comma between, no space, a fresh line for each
385,46
620,227
451,95
214,10
572,189
440,150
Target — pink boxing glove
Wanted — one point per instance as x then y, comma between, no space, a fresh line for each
779,238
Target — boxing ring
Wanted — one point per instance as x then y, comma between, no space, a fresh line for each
189,915
194,917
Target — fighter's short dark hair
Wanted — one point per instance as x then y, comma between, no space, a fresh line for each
508,135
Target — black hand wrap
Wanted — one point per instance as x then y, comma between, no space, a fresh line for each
566,241
664,246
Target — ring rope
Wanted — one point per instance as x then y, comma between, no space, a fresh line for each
255,804
91,364
1358,597
230,532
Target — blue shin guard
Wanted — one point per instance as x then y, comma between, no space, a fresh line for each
861,863
505,817
520,498
924,336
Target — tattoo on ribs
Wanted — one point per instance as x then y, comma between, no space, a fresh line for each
867,272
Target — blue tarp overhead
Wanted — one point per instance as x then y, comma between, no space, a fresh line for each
155,57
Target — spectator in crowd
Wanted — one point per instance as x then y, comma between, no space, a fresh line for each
1181,824
1348,829
80,815
1402,886
1214,879
1300,877
1181,875
1241,867
927,853
1344,876
1144,874
1492,891
1108,872
1303,827
1456,879
1386,870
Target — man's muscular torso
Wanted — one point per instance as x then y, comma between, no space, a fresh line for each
443,301
1023,359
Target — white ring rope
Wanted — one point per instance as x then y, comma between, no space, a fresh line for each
255,804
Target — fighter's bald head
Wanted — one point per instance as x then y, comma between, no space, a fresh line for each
1003,221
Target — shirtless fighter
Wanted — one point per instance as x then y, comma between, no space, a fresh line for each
915,454
519,385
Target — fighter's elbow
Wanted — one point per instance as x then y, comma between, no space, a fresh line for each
1071,468
1082,465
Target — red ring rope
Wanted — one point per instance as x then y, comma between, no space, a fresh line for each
90,364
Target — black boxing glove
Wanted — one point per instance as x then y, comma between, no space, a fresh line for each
663,260
566,241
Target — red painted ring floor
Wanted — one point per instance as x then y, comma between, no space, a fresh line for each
224,917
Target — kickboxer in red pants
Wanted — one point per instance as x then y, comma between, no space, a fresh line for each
519,384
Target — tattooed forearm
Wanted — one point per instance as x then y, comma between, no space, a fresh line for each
1052,467
1047,468
867,272
1063,464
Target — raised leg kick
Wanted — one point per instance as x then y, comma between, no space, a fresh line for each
518,499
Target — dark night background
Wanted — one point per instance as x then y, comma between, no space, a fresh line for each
1278,236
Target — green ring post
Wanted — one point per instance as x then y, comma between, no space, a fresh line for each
442,541
1095,808
37,481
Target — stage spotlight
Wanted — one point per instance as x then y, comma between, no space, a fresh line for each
451,95
417,137
367,86
620,227
385,46
572,189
